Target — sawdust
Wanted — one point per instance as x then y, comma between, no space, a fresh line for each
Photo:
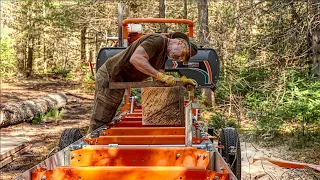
264,170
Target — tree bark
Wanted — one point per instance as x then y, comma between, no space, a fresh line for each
25,111
83,44
315,36
29,62
162,106
203,35
203,22
185,9
30,58
162,14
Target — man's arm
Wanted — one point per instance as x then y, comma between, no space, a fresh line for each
140,60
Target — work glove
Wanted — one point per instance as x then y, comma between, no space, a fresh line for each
190,84
167,79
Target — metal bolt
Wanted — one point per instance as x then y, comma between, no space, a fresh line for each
198,156
222,168
204,156
216,177
91,142
104,133
178,155
73,155
43,177
198,141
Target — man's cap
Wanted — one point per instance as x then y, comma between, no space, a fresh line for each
192,46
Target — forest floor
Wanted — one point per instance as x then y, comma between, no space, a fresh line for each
44,136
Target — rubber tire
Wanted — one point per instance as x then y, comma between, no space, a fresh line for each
68,137
229,137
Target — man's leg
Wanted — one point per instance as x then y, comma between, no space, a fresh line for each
105,107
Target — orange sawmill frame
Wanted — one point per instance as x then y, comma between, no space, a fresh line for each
128,149
139,153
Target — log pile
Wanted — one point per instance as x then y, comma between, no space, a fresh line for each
25,111
162,106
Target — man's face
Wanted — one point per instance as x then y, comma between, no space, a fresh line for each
179,51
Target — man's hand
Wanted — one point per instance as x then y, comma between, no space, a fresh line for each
167,79
190,84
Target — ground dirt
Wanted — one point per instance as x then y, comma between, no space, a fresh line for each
43,137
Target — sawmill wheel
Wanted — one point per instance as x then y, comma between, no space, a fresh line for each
231,152
68,137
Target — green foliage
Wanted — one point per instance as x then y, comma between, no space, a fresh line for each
8,61
53,115
136,92
297,103
220,120
86,82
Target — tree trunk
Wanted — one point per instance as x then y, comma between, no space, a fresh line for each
315,36
30,58
44,40
97,47
208,94
162,14
27,110
184,27
203,34
203,22
185,9
162,106
83,44
66,56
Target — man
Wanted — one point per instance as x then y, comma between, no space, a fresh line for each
142,59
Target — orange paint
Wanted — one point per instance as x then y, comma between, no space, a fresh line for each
144,131
134,156
129,173
142,140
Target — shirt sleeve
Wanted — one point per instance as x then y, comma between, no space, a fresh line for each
152,45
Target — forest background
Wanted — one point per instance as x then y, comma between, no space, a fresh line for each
269,52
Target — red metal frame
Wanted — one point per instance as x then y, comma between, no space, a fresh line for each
129,173
142,140
144,131
134,162
139,156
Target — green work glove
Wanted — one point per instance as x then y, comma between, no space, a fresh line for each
190,84
167,79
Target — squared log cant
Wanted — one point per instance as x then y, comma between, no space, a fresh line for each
163,106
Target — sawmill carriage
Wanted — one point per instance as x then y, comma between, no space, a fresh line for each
130,148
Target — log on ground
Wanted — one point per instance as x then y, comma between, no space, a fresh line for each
163,106
25,111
